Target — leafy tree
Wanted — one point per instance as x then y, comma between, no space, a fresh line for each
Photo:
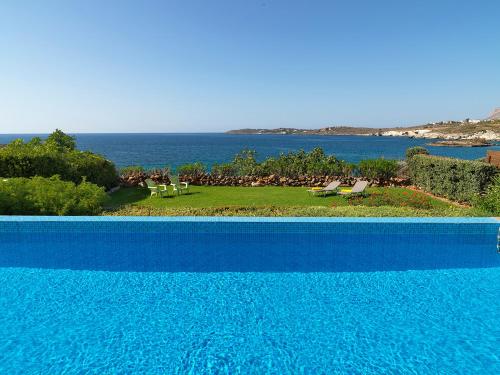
61,141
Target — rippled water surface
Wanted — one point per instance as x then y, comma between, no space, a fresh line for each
426,322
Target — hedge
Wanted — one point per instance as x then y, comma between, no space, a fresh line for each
456,179
50,196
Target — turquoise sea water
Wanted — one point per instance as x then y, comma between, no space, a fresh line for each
249,296
159,150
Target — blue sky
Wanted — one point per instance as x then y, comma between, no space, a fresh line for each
194,66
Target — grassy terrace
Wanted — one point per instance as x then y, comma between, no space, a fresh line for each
279,201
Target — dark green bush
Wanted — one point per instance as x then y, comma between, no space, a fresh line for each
50,196
245,163
301,163
417,150
131,169
292,164
380,169
490,202
227,169
455,179
94,168
55,156
193,169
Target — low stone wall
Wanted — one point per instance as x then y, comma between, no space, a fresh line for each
273,180
138,178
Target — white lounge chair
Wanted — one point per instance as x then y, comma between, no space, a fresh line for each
156,189
179,186
358,188
330,188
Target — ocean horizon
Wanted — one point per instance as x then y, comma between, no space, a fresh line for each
157,150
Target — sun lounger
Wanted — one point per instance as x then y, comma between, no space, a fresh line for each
330,188
358,188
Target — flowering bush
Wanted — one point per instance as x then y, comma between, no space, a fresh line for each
405,199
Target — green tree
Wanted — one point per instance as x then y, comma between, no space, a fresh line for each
61,141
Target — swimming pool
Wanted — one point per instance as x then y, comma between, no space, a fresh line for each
249,295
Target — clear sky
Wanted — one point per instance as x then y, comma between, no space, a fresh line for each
209,65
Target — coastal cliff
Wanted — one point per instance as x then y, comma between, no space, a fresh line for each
488,130
453,130
495,115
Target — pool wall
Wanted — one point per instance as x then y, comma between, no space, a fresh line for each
235,244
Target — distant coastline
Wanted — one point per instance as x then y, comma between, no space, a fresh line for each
488,130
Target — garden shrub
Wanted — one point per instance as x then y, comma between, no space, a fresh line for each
380,169
224,170
455,179
417,150
490,202
193,169
94,168
292,165
245,163
405,199
131,169
56,156
50,196
313,163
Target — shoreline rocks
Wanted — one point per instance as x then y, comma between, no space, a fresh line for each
462,143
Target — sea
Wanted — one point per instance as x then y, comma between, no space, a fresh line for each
172,150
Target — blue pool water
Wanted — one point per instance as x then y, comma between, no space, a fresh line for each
249,295
160,150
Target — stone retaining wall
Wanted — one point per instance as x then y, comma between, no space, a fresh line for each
273,180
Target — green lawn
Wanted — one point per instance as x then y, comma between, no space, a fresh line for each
270,201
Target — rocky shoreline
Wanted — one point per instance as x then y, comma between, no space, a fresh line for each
462,143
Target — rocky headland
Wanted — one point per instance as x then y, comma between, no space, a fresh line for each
487,130
463,143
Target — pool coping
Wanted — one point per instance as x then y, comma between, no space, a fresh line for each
253,219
